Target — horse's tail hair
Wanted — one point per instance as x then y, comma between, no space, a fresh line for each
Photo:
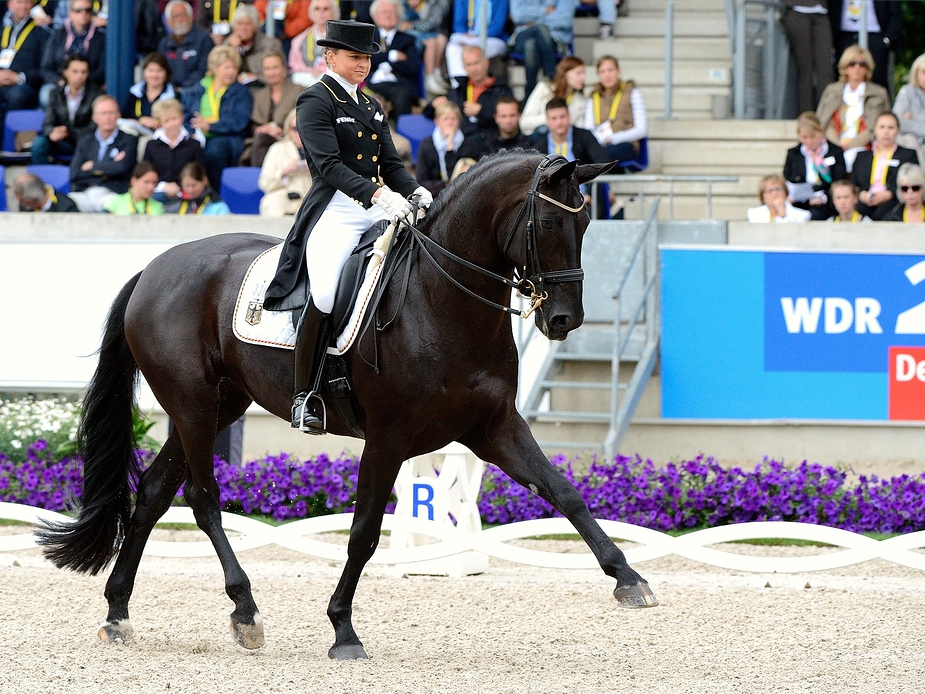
106,439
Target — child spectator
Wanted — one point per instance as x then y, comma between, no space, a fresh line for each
68,115
171,148
137,199
196,196
845,199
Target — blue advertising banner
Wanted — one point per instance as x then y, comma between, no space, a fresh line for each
795,335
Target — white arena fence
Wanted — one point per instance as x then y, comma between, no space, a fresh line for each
451,541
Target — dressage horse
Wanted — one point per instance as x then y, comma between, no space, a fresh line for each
446,370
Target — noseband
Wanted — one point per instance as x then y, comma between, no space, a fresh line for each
530,282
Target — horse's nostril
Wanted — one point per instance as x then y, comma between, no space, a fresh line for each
558,321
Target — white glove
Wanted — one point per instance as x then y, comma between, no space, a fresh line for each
425,198
393,204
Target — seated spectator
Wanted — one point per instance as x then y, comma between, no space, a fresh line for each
78,36
197,197
395,70
68,116
251,43
849,107
476,96
425,22
811,167
438,154
290,18
34,195
137,199
772,192
284,176
573,143
845,199
617,122
306,57
219,108
171,148
186,47
875,169
910,108
139,105
100,13
467,22
22,44
103,160
541,33
508,135
568,84
272,103
912,189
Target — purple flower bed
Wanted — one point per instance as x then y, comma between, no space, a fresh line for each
679,495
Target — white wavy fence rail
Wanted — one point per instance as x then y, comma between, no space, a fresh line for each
450,541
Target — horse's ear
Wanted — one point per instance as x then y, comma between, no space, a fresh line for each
563,173
588,172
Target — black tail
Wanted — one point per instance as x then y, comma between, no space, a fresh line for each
106,439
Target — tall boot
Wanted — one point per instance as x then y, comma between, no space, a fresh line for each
311,344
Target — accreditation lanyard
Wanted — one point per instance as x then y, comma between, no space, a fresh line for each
562,149
214,101
217,11
472,16
131,204
308,49
613,106
878,168
921,215
21,37
184,206
855,217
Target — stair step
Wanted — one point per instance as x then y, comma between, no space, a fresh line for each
653,48
706,24
577,385
564,416
577,356
571,445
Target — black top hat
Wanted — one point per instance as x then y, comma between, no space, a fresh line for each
354,36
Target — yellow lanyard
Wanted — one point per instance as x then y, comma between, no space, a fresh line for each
131,204
308,49
613,106
202,208
855,216
469,93
138,108
874,168
217,11
562,149
215,100
471,16
921,215
26,30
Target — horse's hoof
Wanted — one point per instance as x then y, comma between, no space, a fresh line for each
119,631
349,651
249,636
635,596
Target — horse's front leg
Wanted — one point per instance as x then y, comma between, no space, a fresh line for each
511,447
378,471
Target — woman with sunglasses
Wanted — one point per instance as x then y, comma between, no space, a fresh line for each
772,192
912,195
875,170
849,107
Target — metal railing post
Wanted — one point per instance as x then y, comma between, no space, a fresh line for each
738,66
669,58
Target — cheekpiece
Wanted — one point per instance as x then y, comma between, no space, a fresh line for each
351,35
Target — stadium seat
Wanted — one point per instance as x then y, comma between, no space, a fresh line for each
56,175
239,189
3,180
415,127
20,121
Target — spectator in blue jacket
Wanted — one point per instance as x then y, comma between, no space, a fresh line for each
467,20
219,109
186,47
22,43
542,34
77,36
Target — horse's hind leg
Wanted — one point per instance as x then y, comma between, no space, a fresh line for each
377,476
198,433
516,452
156,489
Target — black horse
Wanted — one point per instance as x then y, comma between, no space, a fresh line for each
447,371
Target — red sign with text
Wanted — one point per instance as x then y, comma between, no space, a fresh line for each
907,383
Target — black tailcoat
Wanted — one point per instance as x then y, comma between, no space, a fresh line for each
349,148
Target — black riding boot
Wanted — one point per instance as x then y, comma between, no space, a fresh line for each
312,336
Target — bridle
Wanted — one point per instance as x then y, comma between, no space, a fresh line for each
530,282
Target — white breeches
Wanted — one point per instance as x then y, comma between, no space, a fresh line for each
332,241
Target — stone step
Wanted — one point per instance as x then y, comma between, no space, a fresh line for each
637,7
725,130
705,24
691,73
653,48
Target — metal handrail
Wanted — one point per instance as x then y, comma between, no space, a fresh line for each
643,179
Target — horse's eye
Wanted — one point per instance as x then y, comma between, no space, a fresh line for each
548,222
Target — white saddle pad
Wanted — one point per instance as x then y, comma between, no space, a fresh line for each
256,325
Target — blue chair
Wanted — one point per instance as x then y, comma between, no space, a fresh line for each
3,207
415,127
19,121
239,189
55,175
641,162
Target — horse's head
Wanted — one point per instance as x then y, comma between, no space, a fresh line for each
552,265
